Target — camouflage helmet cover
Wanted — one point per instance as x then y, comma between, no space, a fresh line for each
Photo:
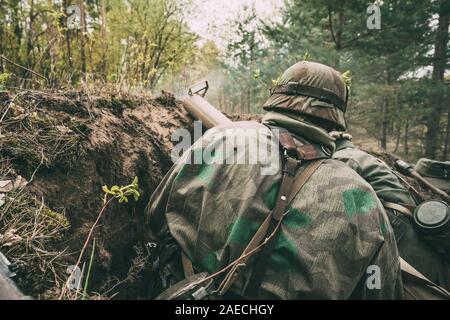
313,75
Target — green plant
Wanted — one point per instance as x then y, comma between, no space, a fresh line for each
4,77
307,56
86,282
121,194
257,77
347,75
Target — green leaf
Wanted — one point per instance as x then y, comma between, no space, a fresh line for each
306,56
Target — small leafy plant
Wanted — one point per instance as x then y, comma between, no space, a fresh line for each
121,194
347,75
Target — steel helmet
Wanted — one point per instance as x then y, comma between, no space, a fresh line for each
311,89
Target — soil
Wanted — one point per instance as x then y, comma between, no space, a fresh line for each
125,136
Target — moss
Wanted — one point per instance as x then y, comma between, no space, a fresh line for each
55,219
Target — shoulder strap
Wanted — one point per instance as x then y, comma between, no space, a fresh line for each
263,230
412,274
188,268
398,207
290,186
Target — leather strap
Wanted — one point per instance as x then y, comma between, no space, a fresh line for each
397,207
296,88
293,157
290,168
303,177
254,284
304,152
265,226
187,265
254,242
413,274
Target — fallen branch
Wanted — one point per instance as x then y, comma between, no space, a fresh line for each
22,67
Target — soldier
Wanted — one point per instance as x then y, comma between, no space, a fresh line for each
436,172
398,203
333,240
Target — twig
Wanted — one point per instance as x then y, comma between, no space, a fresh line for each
85,245
18,65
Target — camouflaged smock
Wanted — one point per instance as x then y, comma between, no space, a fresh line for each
335,228
388,187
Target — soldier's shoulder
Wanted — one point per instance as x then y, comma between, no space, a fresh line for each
240,130
342,174
349,201
238,125
338,166
351,153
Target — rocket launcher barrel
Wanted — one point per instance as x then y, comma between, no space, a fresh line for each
408,170
195,103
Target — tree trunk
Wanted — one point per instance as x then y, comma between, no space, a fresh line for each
82,40
53,43
18,33
67,38
1,45
398,134
384,125
339,28
385,108
30,62
406,149
104,64
439,63
249,97
445,155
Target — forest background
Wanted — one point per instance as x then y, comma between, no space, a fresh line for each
397,53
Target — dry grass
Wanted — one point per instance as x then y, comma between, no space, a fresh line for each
32,135
30,236
31,233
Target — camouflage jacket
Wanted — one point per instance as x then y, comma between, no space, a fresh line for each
388,187
336,227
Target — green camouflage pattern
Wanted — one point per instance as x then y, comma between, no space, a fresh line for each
315,75
411,246
335,228
378,174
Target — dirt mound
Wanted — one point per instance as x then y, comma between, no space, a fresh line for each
390,159
68,145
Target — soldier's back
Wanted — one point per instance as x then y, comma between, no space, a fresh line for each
335,228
